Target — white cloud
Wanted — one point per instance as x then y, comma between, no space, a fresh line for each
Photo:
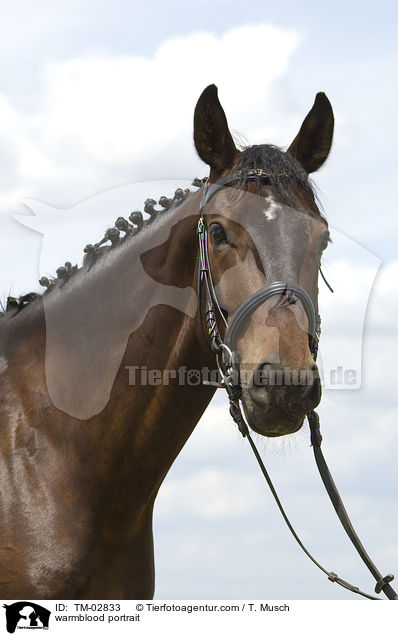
104,120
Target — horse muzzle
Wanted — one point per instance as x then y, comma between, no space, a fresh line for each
275,398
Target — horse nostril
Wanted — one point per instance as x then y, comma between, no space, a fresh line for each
273,374
263,373
266,365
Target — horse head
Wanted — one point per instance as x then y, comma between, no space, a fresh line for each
264,225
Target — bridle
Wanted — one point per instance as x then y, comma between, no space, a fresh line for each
292,291
227,360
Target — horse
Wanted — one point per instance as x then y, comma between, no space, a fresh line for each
85,442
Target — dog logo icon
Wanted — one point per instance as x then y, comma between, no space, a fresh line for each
26,615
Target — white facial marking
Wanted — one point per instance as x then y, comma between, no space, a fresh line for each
270,211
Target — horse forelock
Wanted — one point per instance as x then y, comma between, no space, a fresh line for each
286,178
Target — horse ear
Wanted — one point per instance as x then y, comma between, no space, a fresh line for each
312,144
213,141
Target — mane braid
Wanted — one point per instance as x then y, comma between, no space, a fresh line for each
282,174
92,253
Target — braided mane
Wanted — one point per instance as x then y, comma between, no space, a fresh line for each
114,237
284,175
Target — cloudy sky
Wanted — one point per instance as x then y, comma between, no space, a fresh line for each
94,96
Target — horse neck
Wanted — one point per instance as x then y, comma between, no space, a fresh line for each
134,310
152,403
67,364
153,383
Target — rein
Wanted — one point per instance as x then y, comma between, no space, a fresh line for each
227,363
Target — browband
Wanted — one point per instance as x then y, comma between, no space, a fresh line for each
249,175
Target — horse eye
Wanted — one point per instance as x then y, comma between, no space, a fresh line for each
217,234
